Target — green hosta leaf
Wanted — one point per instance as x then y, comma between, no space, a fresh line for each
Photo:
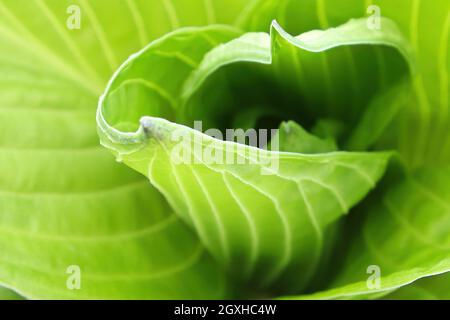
405,236
293,138
305,82
244,218
263,220
377,117
421,130
431,288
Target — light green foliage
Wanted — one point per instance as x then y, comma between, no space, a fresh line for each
304,222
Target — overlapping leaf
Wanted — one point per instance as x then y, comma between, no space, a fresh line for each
7,294
431,288
421,130
405,235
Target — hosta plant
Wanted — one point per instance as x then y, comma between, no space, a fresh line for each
348,197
